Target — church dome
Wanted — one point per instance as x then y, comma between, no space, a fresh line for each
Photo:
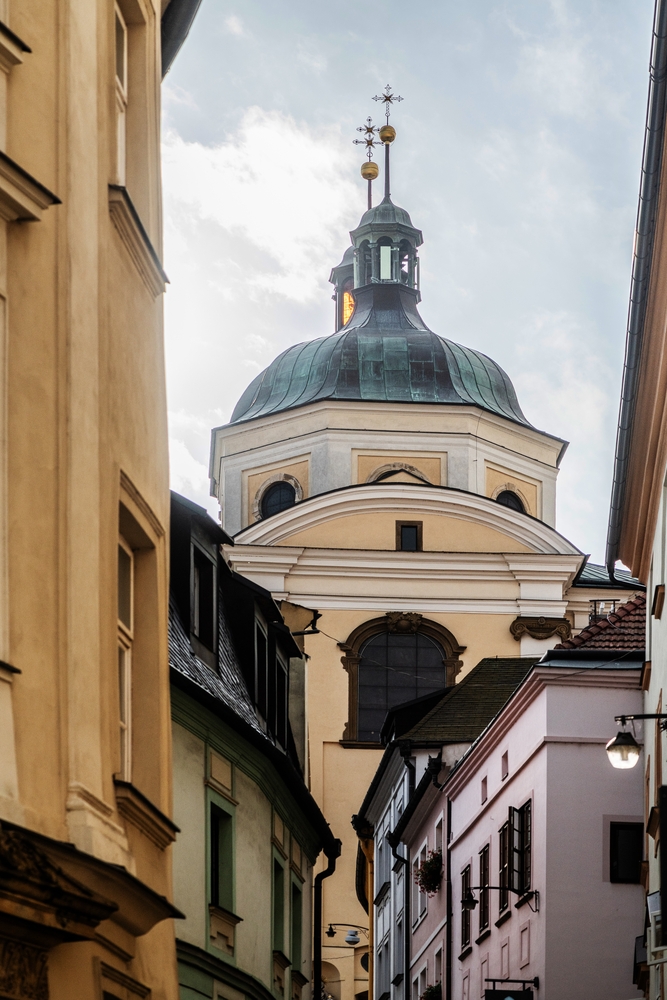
387,354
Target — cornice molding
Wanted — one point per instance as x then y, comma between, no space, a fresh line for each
401,498
22,198
141,812
137,241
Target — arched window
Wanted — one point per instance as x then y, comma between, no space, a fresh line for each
384,269
348,303
278,496
405,264
508,498
391,660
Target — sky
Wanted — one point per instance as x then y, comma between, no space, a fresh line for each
518,155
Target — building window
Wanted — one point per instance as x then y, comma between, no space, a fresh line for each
508,498
465,914
504,866
520,837
278,906
484,892
504,766
348,303
626,851
409,536
278,496
125,640
394,668
261,665
222,859
203,598
121,94
385,262
484,790
296,927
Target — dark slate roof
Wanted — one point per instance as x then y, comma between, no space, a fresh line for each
176,23
386,214
593,575
385,353
470,705
624,628
227,684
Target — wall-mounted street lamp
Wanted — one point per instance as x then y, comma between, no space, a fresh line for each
469,902
623,751
352,936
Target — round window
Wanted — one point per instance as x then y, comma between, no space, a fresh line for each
508,498
277,497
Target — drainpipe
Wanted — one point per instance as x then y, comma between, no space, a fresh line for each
333,853
448,960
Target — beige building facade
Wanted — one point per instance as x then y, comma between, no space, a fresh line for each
386,478
85,752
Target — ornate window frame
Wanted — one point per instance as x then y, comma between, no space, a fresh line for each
278,477
510,487
399,623
390,467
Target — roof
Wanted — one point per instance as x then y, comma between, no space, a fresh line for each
176,23
642,262
594,575
624,628
470,705
385,353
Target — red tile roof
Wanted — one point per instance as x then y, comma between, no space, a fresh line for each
624,628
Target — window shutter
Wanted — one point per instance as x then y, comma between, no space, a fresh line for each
515,849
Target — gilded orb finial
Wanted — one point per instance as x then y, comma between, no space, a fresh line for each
369,170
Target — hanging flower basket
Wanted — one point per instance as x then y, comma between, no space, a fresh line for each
429,878
432,992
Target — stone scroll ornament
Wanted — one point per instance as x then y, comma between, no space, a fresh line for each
540,628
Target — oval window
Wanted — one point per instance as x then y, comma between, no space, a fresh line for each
508,498
277,497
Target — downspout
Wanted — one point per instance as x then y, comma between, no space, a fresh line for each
448,875
333,853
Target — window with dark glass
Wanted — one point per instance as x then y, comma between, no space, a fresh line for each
278,906
465,914
276,497
520,837
484,892
261,686
394,668
409,536
504,866
222,873
280,727
626,852
508,498
297,927
203,598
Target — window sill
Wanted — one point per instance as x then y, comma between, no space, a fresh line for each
397,980
137,242
360,745
22,198
384,889
523,900
503,917
466,951
483,936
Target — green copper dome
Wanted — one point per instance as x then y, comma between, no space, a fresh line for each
385,354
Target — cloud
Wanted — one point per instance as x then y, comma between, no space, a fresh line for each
234,25
281,189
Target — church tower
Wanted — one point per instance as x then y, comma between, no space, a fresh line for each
386,479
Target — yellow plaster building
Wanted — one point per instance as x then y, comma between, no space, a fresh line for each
386,478
85,755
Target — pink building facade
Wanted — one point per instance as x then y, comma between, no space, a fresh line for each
534,803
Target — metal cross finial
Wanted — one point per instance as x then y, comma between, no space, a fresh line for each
368,141
388,99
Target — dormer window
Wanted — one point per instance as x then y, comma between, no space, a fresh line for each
203,599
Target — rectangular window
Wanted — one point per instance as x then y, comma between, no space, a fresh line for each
260,670
503,866
278,906
385,263
409,536
121,94
222,859
465,914
203,598
297,927
438,836
484,790
484,892
504,766
125,640
626,844
437,974
281,702
520,838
